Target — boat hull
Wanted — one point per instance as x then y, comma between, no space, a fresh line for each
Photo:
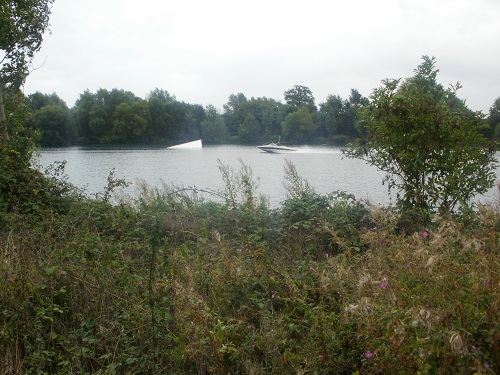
274,148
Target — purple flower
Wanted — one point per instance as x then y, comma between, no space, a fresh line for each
487,284
425,233
311,267
474,347
486,365
368,354
272,296
383,285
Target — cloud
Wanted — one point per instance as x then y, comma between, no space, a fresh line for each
202,52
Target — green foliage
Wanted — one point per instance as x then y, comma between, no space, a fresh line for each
494,119
130,122
55,125
22,25
213,128
118,116
338,118
299,126
317,225
254,120
173,283
299,96
427,141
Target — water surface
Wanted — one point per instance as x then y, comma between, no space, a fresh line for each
324,168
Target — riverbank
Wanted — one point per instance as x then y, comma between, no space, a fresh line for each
169,283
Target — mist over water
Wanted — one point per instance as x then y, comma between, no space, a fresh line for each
324,168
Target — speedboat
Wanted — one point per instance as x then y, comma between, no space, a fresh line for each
275,147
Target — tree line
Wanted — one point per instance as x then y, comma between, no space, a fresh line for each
120,117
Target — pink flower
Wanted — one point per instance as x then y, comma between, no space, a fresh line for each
368,354
425,233
383,285
486,365
272,296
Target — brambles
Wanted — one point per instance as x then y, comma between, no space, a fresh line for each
176,283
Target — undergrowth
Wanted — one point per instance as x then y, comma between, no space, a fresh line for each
175,283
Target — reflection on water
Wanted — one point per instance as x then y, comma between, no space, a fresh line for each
323,167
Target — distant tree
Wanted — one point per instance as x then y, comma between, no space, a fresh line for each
299,96
163,126
249,130
234,112
188,119
338,117
494,119
429,146
39,100
55,124
81,114
22,25
268,115
330,116
298,126
95,113
52,118
130,122
213,127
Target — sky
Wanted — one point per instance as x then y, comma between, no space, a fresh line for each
203,51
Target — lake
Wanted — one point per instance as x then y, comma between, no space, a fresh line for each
323,167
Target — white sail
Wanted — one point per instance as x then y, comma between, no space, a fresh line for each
188,145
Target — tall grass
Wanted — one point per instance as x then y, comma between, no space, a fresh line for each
172,283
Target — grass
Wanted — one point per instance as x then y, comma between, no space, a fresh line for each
173,284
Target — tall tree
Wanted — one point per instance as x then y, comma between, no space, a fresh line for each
213,127
163,126
299,126
429,146
298,96
52,118
55,125
130,122
494,119
234,112
22,25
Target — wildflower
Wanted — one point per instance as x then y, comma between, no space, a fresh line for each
311,267
326,255
486,365
383,285
425,233
368,354
272,296
474,347
487,284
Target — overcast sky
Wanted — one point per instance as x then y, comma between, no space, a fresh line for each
203,51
